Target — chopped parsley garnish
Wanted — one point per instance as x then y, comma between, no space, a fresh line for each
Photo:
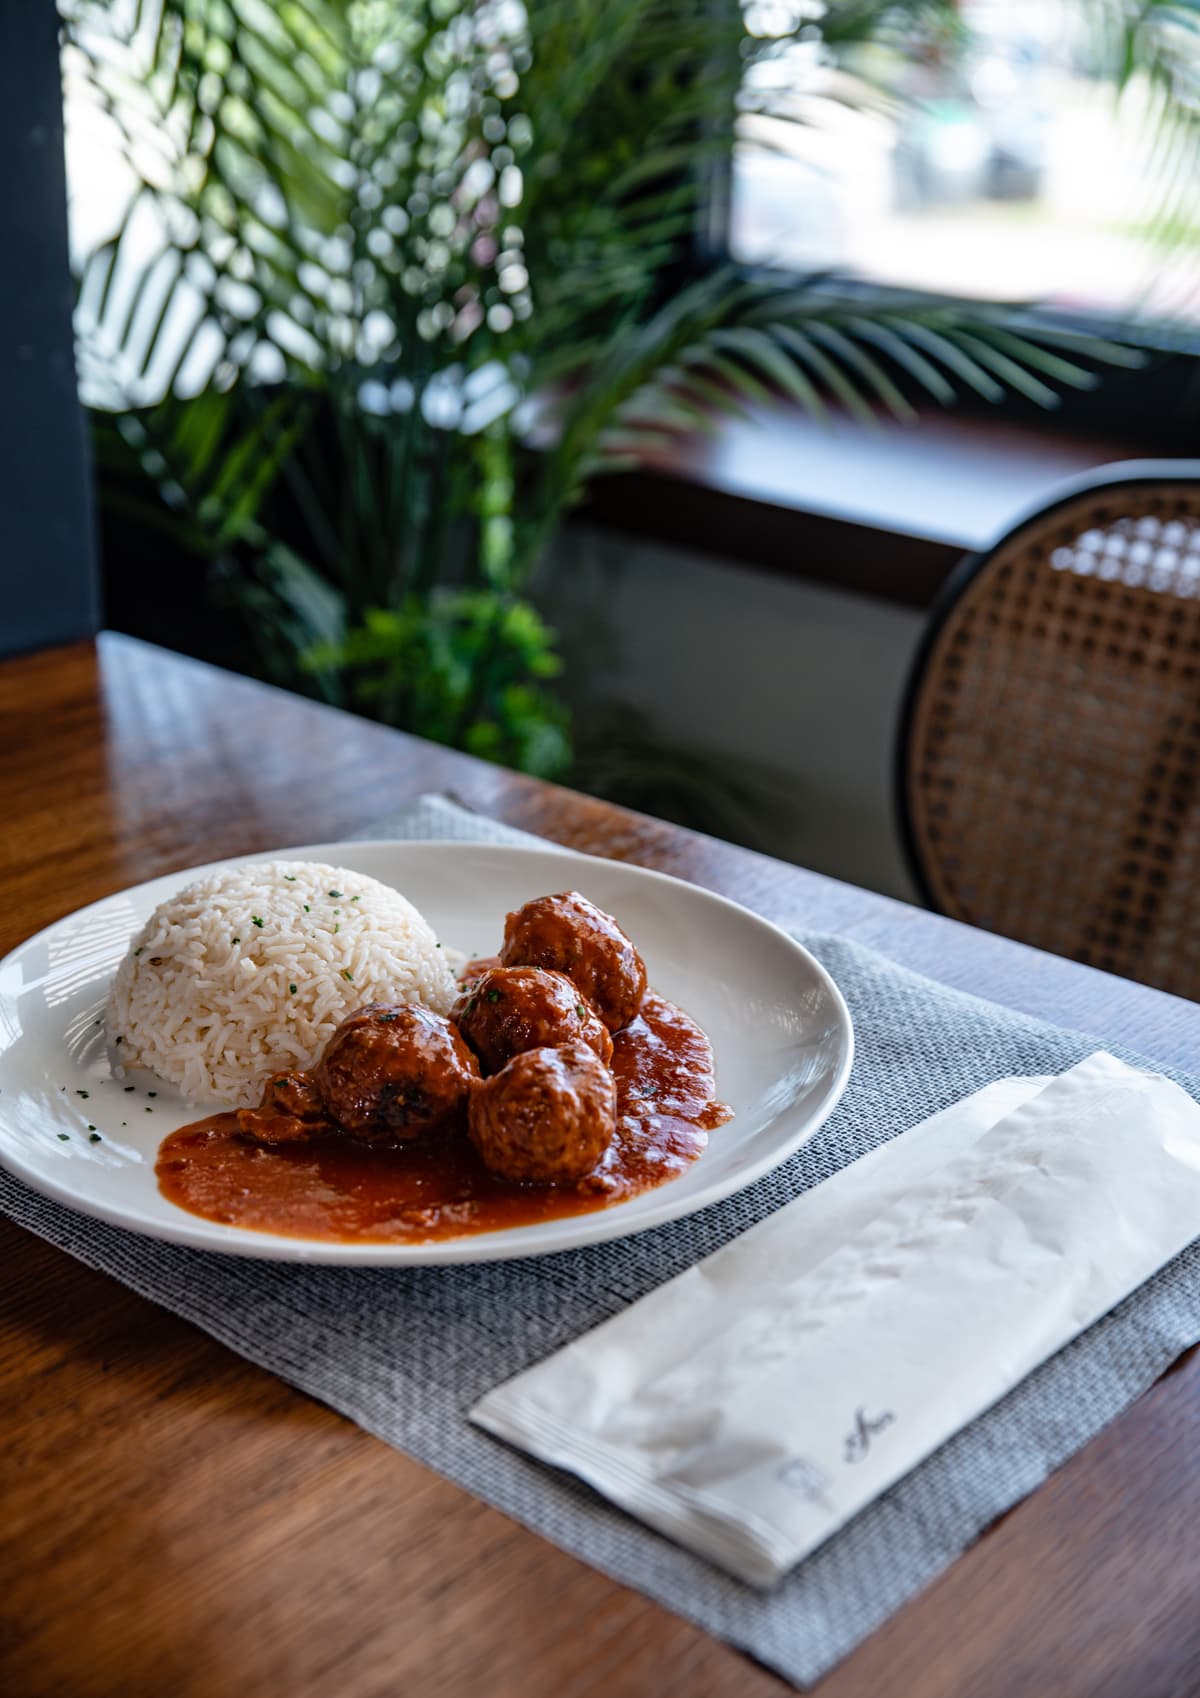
493,996
91,1128
151,1093
384,1018
149,1110
290,877
137,952
63,1138
280,1081
347,974
307,909
291,990
81,1093
581,1011
129,1088
95,1136
355,899
335,893
255,920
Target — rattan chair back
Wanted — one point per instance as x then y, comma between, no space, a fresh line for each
1049,756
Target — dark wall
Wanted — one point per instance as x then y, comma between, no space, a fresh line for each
47,565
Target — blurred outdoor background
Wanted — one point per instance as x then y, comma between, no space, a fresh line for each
1007,171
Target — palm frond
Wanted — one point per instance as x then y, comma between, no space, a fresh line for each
733,345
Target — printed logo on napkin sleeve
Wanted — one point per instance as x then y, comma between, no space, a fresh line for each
866,1427
805,1478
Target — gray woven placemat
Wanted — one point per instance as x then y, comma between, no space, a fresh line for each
405,1353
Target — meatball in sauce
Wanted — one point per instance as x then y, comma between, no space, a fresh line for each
547,1117
507,1010
570,935
292,1107
393,1071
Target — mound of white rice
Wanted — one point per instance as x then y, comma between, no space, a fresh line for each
250,970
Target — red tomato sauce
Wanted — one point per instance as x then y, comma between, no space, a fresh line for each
330,1187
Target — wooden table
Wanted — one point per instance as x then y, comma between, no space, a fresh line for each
177,1522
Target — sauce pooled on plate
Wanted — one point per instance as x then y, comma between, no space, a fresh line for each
330,1186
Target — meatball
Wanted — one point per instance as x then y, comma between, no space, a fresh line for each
571,935
394,1070
291,1109
511,1009
548,1116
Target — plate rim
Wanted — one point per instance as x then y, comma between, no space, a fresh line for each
471,1247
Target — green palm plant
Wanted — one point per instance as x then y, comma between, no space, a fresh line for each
401,276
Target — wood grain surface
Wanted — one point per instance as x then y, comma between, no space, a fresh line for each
178,1522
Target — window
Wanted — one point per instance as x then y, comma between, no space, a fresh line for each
1006,166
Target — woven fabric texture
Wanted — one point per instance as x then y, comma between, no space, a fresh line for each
1054,764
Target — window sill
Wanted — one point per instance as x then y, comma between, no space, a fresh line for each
885,511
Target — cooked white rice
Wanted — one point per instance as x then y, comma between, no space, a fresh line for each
250,970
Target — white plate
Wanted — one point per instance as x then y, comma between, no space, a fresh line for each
780,1033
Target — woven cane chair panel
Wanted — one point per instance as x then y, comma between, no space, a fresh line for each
1053,766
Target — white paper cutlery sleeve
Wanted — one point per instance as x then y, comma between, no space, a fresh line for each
749,1407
